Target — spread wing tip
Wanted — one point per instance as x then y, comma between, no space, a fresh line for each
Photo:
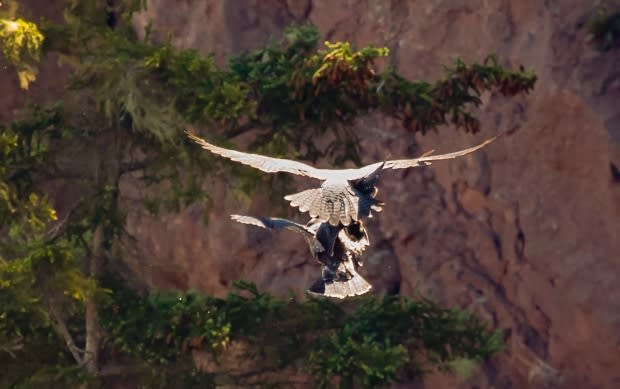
255,221
192,135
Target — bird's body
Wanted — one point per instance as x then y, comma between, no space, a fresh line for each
337,248
345,195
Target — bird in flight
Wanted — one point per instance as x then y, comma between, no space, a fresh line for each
338,249
346,195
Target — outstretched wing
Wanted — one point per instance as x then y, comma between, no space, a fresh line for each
277,223
261,162
426,159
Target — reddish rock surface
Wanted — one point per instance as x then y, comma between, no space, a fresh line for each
525,233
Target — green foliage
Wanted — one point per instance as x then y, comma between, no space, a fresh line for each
38,270
303,91
604,29
207,94
43,362
20,43
163,326
21,40
370,361
288,93
386,338
341,55
370,342
423,106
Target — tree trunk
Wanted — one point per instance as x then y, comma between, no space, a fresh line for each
61,329
93,332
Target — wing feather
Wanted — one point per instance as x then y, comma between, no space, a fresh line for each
305,200
350,209
261,162
277,223
331,204
426,159
314,204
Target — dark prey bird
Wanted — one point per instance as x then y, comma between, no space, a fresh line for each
346,195
338,249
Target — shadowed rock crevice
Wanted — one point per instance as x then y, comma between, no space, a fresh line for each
615,173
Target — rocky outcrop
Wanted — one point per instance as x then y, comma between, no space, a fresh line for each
526,233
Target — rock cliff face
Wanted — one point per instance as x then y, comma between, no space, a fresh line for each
526,233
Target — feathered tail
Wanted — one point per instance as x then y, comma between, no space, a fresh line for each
341,287
334,205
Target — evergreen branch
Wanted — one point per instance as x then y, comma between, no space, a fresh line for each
295,90
377,341
59,227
